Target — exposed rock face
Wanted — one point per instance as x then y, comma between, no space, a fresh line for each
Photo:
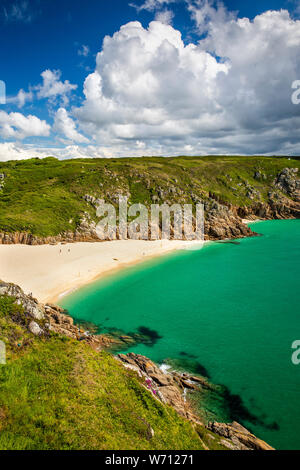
35,328
31,305
2,178
63,324
221,220
42,319
288,182
240,438
85,232
169,387
278,207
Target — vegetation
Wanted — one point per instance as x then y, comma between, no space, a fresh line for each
57,393
46,196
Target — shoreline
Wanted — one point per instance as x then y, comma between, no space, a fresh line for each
50,272
249,221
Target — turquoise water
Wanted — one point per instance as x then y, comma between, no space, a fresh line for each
232,309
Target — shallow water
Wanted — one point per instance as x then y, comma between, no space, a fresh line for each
231,310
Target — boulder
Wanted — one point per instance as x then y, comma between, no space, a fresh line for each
35,328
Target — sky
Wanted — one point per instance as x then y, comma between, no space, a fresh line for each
119,78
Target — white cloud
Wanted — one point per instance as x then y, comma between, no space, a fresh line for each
153,94
53,87
207,13
149,86
18,126
21,98
164,16
152,5
83,51
18,11
64,125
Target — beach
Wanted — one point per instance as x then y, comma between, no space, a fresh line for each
50,271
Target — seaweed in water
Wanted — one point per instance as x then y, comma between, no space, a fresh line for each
185,354
187,363
237,411
148,333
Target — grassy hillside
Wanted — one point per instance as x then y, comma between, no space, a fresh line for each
45,196
57,393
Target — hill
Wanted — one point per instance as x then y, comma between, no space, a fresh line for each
44,198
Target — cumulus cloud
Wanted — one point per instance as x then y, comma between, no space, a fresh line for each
229,93
149,85
64,125
52,87
151,93
18,126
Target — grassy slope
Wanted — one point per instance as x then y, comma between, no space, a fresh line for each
60,394
45,197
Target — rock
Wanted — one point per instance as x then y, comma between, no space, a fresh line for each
169,391
31,307
201,381
168,387
253,193
35,328
288,182
239,436
258,175
161,379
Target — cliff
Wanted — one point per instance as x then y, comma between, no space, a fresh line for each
50,201
61,390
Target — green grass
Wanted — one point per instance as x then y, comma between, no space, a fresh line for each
58,393
45,196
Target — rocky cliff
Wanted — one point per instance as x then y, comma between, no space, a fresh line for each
223,219
169,388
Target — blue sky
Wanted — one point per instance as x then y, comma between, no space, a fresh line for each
64,37
57,28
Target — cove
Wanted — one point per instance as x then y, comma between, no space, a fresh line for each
229,310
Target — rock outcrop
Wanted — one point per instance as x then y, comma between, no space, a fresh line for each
31,306
236,437
288,182
169,387
222,220
2,178
85,232
42,319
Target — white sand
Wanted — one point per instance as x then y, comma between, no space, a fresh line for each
48,272
248,221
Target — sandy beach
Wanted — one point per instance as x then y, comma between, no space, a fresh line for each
51,271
